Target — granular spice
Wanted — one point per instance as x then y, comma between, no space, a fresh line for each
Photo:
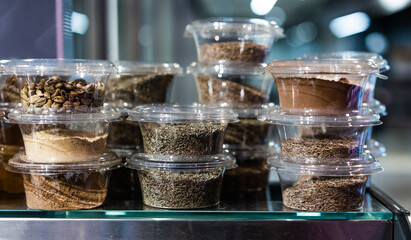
216,90
70,191
326,194
183,139
241,51
181,190
247,132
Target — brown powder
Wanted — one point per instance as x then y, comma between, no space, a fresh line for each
82,190
241,51
215,90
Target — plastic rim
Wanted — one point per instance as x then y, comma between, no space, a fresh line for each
141,161
226,67
378,60
62,66
163,113
132,67
376,106
47,116
356,118
324,67
105,162
366,165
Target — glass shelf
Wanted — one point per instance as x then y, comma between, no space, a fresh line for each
259,205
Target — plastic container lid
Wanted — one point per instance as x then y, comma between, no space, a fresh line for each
141,161
345,167
62,66
248,25
354,118
323,67
226,67
378,60
376,106
48,116
163,113
105,162
133,67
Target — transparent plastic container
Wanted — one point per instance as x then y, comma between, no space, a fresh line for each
324,188
63,138
9,86
322,138
141,83
181,182
65,186
182,130
232,83
62,84
233,39
321,85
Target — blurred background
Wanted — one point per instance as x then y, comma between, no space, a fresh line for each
152,30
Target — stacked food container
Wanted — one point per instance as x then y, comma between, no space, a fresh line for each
322,125
65,126
230,73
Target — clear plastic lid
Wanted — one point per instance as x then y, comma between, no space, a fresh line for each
163,113
378,60
49,116
323,67
376,106
62,67
141,161
226,67
354,118
105,162
345,167
133,67
249,25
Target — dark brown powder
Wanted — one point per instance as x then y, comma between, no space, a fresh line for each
244,51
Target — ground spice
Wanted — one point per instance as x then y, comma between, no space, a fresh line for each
181,190
241,51
326,194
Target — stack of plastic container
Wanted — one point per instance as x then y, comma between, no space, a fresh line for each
229,72
64,125
322,127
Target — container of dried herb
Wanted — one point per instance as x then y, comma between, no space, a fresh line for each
51,137
233,39
322,138
64,85
65,186
180,182
190,130
324,188
325,86
232,83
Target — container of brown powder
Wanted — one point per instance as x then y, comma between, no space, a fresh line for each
51,137
322,138
325,86
181,182
65,186
232,83
233,39
190,130
324,188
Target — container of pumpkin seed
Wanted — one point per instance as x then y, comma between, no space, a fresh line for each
65,85
190,130
181,182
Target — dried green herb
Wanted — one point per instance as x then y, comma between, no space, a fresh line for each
181,190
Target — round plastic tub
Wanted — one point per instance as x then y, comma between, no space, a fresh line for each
322,138
182,130
62,84
232,83
233,39
180,182
59,138
65,186
322,85
141,83
324,188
